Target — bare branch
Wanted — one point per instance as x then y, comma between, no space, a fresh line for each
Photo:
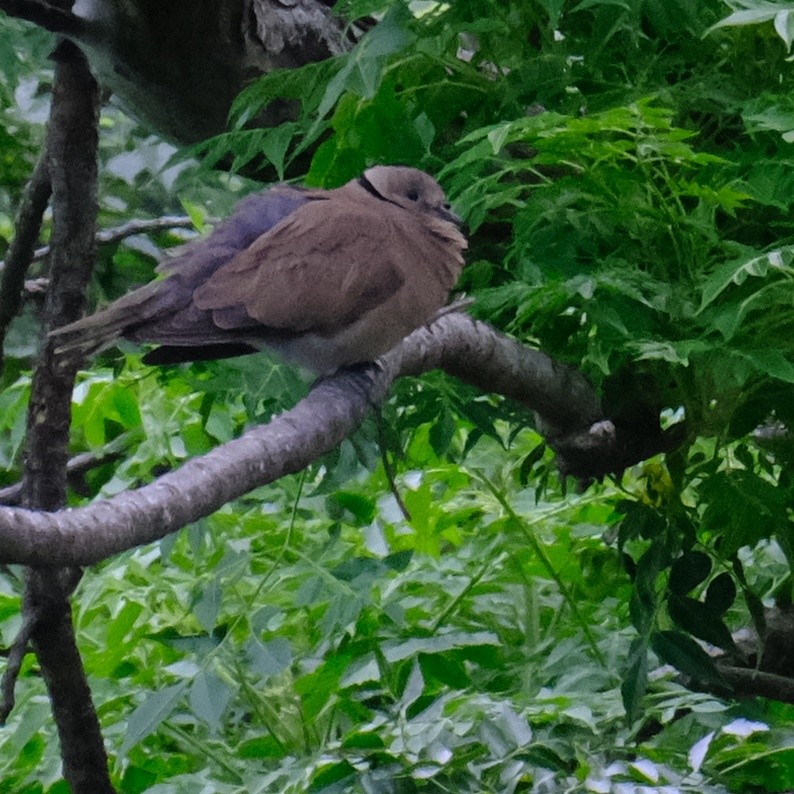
119,233
16,654
75,468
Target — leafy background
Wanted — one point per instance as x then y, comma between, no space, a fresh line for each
625,170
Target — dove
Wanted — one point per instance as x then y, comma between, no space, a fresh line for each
326,278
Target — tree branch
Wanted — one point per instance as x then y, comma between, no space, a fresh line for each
44,15
469,349
115,235
21,251
76,467
72,145
16,654
756,683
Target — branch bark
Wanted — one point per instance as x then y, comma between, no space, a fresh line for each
757,683
471,350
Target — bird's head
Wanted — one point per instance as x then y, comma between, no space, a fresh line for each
409,188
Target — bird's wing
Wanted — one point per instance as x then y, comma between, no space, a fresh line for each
325,265
160,311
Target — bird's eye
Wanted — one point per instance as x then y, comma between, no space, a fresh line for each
412,195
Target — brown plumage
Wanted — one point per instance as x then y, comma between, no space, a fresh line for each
326,278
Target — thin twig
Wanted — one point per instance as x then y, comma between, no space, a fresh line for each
16,653
388,468
27,226
76,467
119,233
540,552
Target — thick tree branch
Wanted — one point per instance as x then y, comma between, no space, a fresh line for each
44,15
456,343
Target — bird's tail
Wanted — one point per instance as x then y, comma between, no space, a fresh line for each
101,329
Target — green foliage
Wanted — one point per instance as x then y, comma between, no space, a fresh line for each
625,170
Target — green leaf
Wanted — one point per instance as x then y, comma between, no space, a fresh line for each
721,593
207,605
640,521
442,431
739,270
688,571
635,678
742,508
149,715
319,687
261,747
700,620
360,507
771,362
324,779
196,213
684,654
397,651
268,658
209,698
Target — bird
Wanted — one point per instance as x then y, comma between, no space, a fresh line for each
325,278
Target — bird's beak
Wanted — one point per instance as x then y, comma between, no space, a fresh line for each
448,214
